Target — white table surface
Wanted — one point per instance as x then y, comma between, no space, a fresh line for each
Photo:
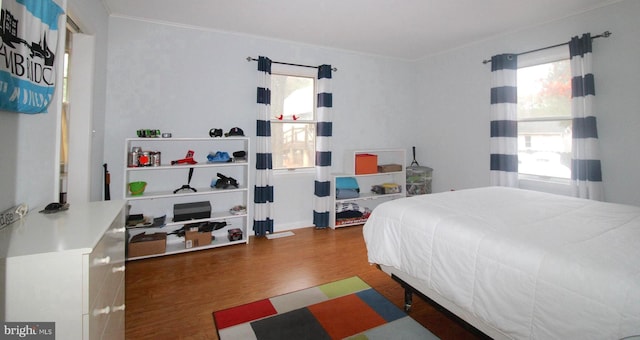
78,228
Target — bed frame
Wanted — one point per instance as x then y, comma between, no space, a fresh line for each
408,302
412,286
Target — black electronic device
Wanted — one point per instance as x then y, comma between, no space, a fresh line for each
191,211
225,182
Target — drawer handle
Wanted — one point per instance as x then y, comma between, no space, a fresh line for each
118,308
104,260
118,230
118,269
99,311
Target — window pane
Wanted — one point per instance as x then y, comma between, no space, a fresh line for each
544,120
293,145
544,148
292,98
544,90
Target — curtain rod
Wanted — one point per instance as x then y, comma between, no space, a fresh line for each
605,34
250,59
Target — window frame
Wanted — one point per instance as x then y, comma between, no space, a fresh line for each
297,71
532,59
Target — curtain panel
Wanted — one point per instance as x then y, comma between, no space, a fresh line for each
504,123
324,131
263,189
586,172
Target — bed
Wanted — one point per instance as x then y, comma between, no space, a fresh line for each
516,264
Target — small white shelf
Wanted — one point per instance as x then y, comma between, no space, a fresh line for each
365,181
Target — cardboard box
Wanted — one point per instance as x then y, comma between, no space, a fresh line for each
389,167
197,239
147,244
366,164
191,211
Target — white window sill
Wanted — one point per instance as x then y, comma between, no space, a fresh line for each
560,186
293,172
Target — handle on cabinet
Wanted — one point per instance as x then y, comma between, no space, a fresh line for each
104,260
118,269
117,308
99,311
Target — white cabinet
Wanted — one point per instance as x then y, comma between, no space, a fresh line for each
164,179
67,268
367,199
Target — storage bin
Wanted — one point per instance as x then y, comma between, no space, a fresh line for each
419,180
366,163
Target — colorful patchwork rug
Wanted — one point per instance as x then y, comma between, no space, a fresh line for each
347,308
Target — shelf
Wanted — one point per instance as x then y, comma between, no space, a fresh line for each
169,194
176,244
178,247
377,174
186,139
370,196
186,166
356,222
367,198
215,216
159,198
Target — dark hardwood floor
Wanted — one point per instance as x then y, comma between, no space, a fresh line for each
173,297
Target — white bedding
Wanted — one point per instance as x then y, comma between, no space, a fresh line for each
530,264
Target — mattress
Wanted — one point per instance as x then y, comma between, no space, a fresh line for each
530,264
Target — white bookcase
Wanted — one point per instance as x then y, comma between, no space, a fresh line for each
159,198
367,197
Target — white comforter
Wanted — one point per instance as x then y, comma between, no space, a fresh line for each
530,264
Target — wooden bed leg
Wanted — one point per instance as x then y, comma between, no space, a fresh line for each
408,299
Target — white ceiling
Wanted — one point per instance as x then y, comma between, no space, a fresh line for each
406,29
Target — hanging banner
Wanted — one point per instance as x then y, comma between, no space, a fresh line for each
30,37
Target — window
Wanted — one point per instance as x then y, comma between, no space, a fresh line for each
544,115
293,120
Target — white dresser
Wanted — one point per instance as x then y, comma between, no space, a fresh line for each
66,268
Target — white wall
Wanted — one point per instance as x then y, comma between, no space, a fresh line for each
29,143
186,81
454,99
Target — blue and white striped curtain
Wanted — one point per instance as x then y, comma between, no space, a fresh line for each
586,173
504,121
322,199
263,190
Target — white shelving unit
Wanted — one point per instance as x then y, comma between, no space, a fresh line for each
367,198
159,198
